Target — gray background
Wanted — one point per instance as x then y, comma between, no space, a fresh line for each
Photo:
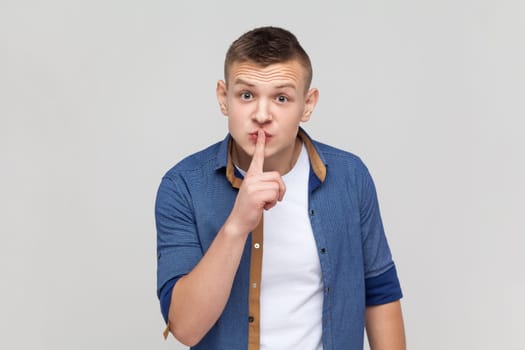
98,99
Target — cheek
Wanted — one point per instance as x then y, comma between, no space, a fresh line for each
239,113
236,121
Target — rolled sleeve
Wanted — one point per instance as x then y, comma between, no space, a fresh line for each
383,289
381,281
178,246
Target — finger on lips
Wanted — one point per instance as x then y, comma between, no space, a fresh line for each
257,164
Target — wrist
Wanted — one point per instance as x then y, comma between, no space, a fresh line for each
234,230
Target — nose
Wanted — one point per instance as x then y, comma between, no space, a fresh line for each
262,113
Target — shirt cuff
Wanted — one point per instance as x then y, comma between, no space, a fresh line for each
383,289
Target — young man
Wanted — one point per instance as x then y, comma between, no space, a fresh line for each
268,239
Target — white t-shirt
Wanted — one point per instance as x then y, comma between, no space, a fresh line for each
291,286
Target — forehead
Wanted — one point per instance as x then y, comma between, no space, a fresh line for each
290,73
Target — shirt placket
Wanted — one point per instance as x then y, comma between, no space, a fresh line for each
254,295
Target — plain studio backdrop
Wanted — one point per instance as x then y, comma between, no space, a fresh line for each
99,99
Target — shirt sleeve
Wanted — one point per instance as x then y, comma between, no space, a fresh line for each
178,246
381,281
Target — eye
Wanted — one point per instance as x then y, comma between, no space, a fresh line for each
282,99
246,96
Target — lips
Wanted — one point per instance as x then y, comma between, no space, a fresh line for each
253,136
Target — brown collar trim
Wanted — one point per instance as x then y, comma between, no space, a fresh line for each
230,168
315,160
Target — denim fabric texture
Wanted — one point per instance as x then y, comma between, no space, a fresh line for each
195,198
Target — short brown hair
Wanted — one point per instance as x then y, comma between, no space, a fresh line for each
265,46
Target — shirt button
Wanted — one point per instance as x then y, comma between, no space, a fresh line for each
250,319
256,245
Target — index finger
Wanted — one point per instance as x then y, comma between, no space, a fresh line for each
256,166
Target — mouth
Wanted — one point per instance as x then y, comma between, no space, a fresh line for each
253,136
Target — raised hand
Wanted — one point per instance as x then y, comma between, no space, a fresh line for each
259,190
199,298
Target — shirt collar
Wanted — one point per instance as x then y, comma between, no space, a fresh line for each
224,159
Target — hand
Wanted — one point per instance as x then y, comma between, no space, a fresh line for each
259,190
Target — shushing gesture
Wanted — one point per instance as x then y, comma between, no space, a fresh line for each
259,190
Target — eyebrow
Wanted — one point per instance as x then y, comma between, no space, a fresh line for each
287,85
240,81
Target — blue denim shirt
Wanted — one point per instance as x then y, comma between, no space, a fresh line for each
195,198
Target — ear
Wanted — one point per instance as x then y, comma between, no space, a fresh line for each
222,93
311,100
